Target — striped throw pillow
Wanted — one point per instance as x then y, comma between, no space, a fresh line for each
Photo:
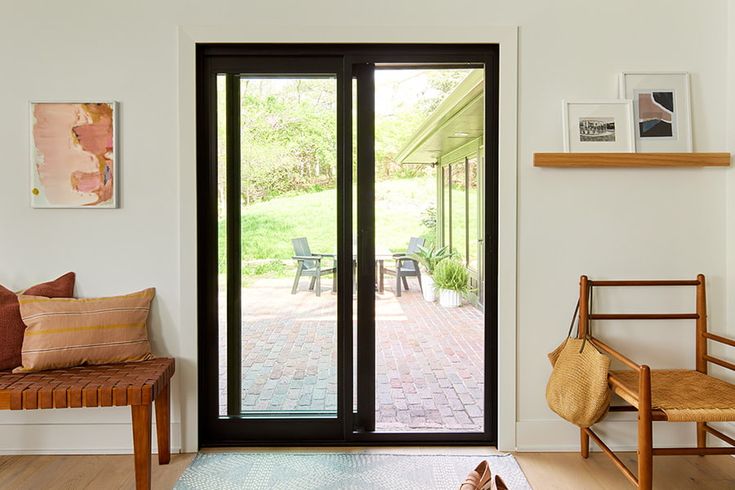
65,332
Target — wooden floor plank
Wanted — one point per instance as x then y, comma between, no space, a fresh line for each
79,472
569,471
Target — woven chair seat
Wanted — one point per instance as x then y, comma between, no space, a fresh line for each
683,395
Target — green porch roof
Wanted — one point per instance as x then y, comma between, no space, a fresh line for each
458,120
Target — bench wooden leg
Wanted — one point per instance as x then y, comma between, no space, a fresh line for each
142,445
163,425
584,446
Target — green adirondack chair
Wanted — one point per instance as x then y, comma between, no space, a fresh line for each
312,265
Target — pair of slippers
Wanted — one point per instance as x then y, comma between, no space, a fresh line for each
482,479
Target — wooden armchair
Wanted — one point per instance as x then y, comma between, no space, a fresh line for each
663,395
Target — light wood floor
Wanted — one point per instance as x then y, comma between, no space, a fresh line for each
544,470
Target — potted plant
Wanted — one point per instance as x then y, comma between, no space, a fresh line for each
452,280
428,258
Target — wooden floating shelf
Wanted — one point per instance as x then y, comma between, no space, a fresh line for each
583,160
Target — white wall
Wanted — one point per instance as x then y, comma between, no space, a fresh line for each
604,223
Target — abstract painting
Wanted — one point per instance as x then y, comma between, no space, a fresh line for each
662,110
656,113
73,155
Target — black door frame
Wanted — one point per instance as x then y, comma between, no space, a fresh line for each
345,61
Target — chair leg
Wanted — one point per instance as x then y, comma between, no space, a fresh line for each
318,278
645,432
163,424
142,445
584,446
701,436
405,282
334,281
398,282
296,279
312,283
418,275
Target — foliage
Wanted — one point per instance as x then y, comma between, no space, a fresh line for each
288,129
268,227
428,220
288,137
430,256
451,274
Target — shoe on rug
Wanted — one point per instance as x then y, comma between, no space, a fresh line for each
478,479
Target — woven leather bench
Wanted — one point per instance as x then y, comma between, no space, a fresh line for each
137,384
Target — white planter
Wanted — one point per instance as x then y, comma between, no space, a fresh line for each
429,289
449,298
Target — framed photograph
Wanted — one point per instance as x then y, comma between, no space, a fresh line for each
598,125
73,154
662,110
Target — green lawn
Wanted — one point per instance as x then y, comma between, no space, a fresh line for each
268,227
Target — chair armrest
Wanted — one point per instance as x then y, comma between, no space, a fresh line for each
307,257
332,256
615,354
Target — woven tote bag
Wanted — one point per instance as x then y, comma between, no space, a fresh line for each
577,390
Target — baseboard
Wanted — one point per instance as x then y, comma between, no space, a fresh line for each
76,438
618,434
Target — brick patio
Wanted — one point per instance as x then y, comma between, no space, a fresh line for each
429,374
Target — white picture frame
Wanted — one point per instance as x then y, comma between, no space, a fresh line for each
601,125
100,149
665,124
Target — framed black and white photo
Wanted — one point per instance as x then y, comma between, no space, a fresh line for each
598,125
662,110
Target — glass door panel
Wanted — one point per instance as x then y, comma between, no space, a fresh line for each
288,245
429,364
278,166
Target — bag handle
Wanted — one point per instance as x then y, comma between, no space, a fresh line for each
588,330
574,317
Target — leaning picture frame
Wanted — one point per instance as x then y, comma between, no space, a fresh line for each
604,125
661,110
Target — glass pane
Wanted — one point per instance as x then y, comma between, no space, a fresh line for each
459,211
429,357
288,244
354,245
222,239
446,207
473,210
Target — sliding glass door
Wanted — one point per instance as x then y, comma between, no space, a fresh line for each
322,182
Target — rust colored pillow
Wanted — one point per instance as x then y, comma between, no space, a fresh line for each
11,324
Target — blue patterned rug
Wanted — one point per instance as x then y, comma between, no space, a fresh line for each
339,471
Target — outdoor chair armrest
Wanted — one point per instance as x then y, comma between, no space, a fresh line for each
332,256
307,257
400,255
